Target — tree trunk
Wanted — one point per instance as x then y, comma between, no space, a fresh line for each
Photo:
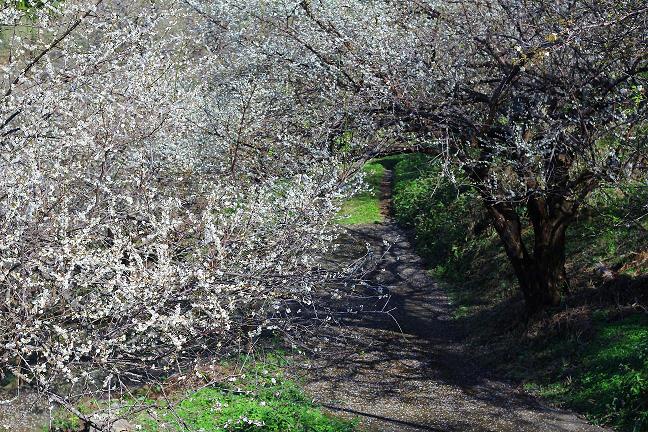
540,274
541,277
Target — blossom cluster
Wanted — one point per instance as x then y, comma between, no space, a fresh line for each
147,214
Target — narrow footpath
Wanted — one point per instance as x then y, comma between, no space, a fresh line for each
407,369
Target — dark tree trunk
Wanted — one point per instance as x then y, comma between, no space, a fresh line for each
541,273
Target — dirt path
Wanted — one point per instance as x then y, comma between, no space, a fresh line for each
412,372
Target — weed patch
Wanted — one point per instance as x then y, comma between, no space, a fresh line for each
606,377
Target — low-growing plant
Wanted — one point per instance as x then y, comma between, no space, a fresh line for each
364,207
257,398
606,378
441,211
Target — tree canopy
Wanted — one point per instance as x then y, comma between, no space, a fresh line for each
169,170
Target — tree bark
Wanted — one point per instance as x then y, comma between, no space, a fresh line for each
541,273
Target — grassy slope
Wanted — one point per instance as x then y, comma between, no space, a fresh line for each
260,399
605,376
591,354
364,208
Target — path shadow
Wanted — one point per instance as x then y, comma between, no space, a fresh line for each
398,359
396,344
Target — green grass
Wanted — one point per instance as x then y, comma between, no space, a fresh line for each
607,377
434,207
218,410
604,231
443,214
364,208
261,399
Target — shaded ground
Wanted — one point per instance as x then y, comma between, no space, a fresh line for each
406,368
23,413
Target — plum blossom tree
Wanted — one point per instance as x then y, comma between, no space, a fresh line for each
168,169
538,102
146,213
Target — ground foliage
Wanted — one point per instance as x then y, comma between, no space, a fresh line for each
364,207
252,395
